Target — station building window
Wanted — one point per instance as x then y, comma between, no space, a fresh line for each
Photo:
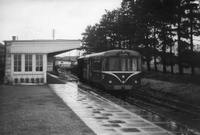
28,62
17,63
39,63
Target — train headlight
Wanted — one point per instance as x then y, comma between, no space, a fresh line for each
123,82
123,76
110,81
135,81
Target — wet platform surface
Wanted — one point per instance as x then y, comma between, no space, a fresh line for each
107,118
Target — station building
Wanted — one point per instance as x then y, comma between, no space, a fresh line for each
26,61
2,56
2,62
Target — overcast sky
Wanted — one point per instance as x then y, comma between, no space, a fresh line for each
35,19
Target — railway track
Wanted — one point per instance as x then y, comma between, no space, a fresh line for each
143,102
148,96
149,100
162,99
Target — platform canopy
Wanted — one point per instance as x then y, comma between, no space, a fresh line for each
42,46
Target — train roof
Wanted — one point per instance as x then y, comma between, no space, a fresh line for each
111,53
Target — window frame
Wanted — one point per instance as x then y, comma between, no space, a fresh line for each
39,63
17,63
28,67
124,63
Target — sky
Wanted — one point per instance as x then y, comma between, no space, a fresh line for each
36,19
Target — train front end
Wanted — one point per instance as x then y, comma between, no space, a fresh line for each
122,71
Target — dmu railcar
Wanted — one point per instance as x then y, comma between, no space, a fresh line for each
111,70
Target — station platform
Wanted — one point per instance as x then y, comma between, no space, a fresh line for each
103,116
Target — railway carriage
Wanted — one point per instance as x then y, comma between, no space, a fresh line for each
111,70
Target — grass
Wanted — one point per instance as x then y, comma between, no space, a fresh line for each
174,78
186,87
36,110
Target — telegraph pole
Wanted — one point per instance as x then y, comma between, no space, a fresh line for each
53,34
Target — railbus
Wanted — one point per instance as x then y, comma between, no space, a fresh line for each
111,70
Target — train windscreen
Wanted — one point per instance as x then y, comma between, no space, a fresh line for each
121,64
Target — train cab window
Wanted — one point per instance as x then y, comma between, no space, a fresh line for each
133,64
113,64
128,64
124,64
121,64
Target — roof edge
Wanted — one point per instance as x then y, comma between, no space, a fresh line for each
42,40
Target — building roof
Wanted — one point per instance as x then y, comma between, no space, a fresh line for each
43,40
112,53
42,46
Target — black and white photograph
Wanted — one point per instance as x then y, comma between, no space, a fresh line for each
99,67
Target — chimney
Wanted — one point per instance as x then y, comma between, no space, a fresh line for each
14,38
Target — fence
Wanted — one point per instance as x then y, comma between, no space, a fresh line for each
168,68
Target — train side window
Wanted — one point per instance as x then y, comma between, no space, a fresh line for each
96,64
107,64
85,64
104,64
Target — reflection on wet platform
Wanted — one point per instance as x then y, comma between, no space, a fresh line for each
106,117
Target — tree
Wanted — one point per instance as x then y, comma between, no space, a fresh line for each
187,22
150,26
192,15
